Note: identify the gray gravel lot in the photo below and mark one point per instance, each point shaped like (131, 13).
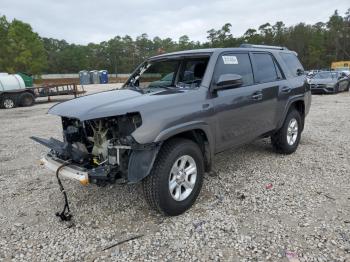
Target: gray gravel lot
(305, 216)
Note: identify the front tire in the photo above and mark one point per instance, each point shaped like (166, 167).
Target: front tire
(286, 139)
(176, 177)
(336, 89)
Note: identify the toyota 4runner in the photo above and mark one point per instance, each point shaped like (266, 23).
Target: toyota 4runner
(174, 113)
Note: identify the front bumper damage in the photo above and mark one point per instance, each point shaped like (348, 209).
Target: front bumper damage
(69, 171)
(139, 163)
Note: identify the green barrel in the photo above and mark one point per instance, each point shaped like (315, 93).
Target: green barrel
(28, 80)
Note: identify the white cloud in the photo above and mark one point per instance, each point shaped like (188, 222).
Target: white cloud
(95, 21)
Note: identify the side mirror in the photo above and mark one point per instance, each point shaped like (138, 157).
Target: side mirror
(300, 71)
(228, 81)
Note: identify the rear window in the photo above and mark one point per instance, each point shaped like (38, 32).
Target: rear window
(292, 62)
(235, 63)
(265, 68)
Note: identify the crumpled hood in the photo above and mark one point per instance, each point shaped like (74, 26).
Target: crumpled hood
(106, 104)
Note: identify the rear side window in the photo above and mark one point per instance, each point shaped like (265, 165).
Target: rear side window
(235, 63)
(292, 63)
(265, 68)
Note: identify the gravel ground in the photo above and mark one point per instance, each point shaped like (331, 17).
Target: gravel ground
(259, 206)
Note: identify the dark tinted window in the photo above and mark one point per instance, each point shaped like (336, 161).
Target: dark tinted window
(292, 63)
(235, 64)
(265, 68)
(192, 72)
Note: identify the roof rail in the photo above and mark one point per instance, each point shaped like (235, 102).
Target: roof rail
(263, 46)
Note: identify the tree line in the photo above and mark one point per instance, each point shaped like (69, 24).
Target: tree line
(23, 50)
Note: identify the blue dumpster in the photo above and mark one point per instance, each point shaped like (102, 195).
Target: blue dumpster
(103, 76)
(94, 77)
(84, 77)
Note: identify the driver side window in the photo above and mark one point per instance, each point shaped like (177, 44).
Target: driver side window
(192, 72)
(235, 63)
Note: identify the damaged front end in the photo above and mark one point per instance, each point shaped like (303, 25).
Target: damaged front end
(101, 150)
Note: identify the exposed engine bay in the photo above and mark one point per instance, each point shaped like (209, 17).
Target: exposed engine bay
(104, 148)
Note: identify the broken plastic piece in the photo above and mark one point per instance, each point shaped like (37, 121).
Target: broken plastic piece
(269, 186)
(292, 256)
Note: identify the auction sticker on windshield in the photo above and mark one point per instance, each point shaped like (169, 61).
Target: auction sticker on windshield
(230, 60)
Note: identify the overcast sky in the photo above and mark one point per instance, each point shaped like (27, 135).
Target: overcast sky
(95, 21)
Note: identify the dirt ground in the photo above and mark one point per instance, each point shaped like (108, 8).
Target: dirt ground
(304, 214)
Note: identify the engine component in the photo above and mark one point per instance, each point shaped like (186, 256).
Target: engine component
(100, 140)
(114, 153)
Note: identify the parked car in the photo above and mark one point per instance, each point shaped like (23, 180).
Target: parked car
(329, 82)
(166, 135)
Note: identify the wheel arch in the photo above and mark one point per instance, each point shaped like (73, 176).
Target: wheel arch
(198, 132)
(141, 161)
(298, 104)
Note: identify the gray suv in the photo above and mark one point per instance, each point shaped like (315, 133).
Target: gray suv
(174, 113)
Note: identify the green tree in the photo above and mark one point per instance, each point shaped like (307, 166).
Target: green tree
(3, 42)
(25, 50)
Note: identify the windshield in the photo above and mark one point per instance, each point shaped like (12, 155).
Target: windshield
(179, 73)
(326, 75)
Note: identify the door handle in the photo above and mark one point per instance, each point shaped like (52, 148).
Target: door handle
(257, 96)
(286, 89)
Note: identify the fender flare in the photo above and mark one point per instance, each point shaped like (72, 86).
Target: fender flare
(189, 126)
(141, 161)
(287, 107)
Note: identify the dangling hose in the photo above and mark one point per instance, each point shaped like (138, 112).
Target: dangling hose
(65, 214)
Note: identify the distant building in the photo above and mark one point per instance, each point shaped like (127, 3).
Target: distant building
(341, 66)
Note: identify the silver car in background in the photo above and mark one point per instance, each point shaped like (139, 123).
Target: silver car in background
(329, 82)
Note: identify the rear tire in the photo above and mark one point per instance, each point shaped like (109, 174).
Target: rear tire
(286, 139)
(8, 101)
(171, 188)
(26, 99)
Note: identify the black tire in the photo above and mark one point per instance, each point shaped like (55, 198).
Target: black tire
(336, 89)
(26, 99)
(156, 185)
(280, 139)
(8, 101)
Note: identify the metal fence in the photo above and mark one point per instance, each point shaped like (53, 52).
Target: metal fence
(58, 76)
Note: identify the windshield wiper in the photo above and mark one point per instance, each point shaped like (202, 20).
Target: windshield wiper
(165, 87)
(135, 88)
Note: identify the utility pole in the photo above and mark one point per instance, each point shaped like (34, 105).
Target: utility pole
(115, 67)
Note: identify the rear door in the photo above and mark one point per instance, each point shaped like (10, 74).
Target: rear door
(239, 111)
(269, 80)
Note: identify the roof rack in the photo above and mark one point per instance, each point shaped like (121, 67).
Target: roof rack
(263, 46)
